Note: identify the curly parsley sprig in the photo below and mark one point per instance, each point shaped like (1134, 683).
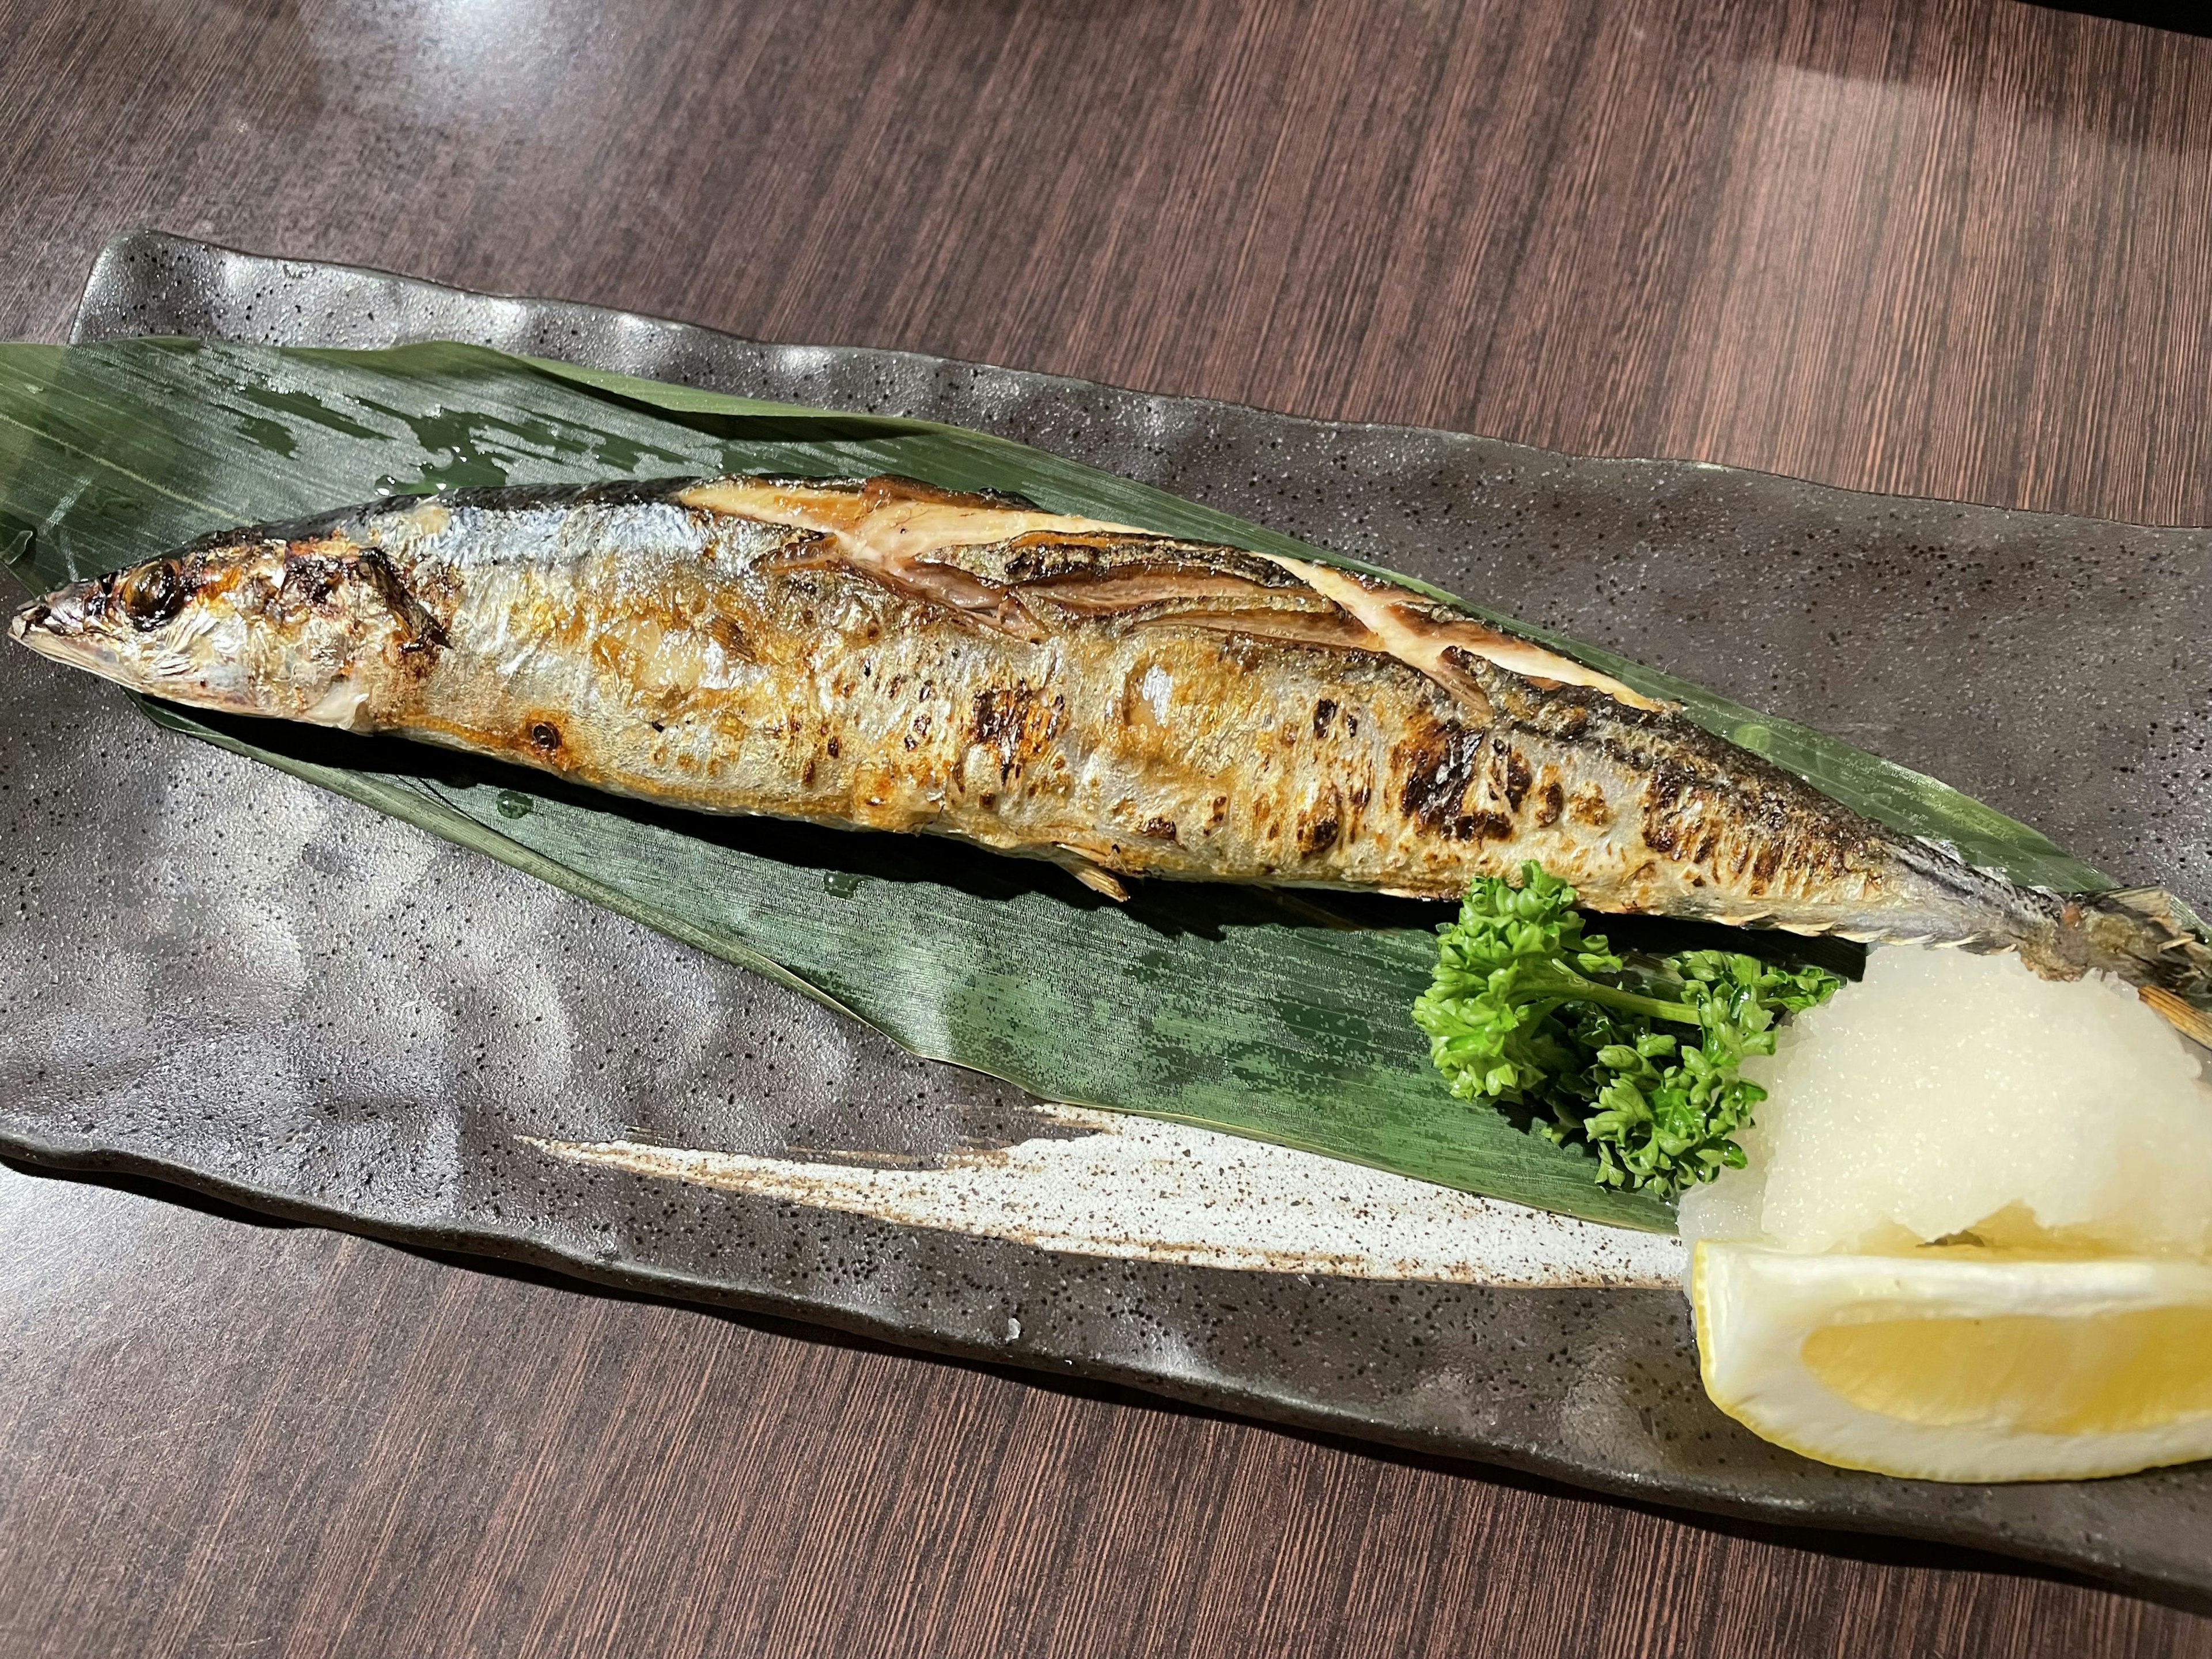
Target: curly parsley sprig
(1527, 1012)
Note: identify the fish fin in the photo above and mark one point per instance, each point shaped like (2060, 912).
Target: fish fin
(1097, 879)
(2185, 1016)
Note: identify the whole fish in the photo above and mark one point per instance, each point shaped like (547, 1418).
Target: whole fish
(885, 654)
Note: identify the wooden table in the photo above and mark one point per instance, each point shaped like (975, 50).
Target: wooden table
(1961, 247)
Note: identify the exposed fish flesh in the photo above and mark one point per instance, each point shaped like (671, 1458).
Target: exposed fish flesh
(885, 654)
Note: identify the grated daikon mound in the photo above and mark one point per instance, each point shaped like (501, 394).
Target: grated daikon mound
(1950, 1094)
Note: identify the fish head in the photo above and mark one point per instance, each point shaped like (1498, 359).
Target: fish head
(294, 630)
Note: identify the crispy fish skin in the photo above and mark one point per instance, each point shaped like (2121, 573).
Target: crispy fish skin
(881, 654)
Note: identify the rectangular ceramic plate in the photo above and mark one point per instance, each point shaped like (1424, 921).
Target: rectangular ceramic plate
(482, 1063)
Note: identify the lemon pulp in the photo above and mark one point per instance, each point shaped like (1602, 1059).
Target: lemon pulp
(2102, 1374)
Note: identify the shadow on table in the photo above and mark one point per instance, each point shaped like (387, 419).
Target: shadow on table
(2168, 15)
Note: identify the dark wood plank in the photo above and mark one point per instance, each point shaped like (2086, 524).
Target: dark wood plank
(1959, 248)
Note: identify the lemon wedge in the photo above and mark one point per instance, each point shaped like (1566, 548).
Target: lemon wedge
(1960, 1364)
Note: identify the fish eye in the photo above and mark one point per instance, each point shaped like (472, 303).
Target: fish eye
(152, 593)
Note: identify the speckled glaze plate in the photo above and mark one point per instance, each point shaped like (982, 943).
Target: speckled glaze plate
(223, 977)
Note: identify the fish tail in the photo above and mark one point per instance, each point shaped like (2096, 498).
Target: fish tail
(2153, 941)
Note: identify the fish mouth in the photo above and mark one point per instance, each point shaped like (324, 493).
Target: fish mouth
(59, 628)
(34, 625)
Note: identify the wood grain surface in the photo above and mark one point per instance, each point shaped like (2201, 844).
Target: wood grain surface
(1961, 247)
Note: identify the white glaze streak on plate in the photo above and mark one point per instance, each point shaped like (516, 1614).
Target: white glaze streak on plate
(1167, 1191)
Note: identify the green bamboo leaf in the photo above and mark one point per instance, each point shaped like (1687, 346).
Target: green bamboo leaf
(1276, 1015)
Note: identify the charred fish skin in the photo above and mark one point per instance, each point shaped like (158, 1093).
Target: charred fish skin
(884, 655)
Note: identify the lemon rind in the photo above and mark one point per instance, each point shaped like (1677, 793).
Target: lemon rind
(1734, 1360)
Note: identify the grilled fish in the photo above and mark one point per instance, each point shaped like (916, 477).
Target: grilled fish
(885, 654)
